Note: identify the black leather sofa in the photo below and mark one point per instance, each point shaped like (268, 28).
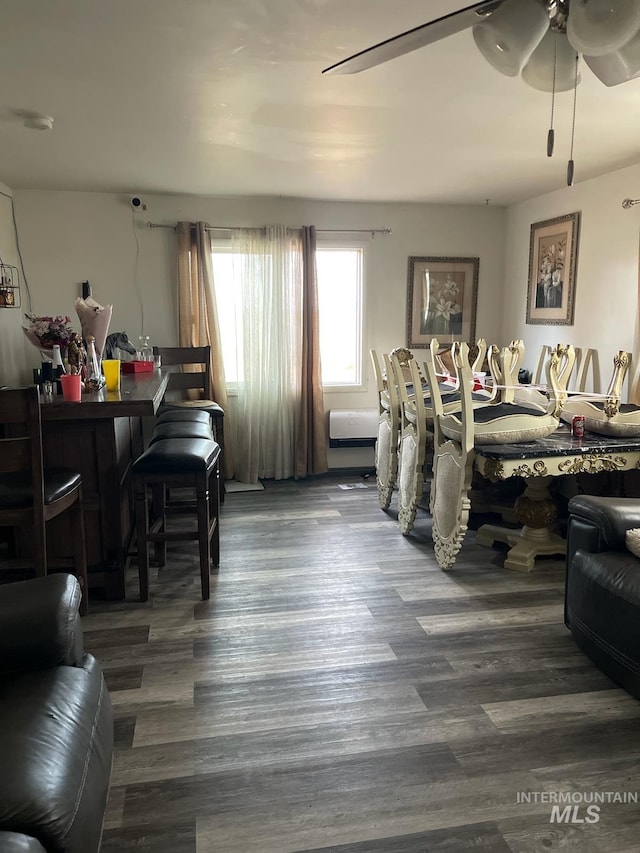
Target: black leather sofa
(602, 592)
(56, 722)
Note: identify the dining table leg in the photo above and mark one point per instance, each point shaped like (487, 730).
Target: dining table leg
(536, 511)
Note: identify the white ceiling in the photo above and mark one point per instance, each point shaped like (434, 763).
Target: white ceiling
(226, 97)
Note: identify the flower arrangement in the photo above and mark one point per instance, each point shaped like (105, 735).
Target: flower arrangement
(442, 301)
(44, 332)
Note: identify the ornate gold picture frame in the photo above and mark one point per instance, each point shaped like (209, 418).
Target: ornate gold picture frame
(442, 300)
(553, 258)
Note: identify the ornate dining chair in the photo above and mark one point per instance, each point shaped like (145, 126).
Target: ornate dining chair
(386, 449)
(416, 423)
(607, 415)
(388, 382)
(456, 434)
(30, 494)
(415, 434)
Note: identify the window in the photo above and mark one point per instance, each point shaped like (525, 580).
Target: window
(226, 304)
(340, 307)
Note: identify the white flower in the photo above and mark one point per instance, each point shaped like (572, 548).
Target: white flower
(445, 308)
(449, 288)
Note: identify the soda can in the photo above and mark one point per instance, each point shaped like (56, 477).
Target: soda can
(577, 426)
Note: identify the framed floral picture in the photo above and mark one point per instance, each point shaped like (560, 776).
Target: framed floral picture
(553, 257)
(442, 298)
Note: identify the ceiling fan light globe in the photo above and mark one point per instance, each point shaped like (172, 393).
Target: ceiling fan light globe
(618, 66)
(598, 27)
(538, 72)
(508, 37)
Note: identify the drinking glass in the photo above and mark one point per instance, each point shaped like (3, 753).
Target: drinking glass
(111, 371)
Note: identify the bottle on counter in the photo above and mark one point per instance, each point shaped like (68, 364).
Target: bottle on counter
(58, 366)
(146, 351)
(95, 380)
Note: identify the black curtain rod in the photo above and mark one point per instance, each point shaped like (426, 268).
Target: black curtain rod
(318, 230)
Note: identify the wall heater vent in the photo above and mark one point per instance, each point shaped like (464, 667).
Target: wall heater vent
(353, 428)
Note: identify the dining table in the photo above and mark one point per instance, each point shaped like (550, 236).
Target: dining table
(101, 436)
(538, 463)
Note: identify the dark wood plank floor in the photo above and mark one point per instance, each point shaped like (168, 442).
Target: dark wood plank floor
(340, 692)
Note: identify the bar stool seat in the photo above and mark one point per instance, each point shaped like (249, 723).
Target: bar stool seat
(208, 408)
(188, 429)
(183, 416)
(16, 488)
(178, 462)
(213, 409)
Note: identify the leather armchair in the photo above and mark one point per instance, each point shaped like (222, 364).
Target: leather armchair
(56, 722)
(602, 592)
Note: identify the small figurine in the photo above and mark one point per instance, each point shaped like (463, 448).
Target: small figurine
(76, 355)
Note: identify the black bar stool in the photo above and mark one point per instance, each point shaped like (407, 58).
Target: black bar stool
(178, 463)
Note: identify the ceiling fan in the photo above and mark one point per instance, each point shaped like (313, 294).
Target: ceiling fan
(539, 39)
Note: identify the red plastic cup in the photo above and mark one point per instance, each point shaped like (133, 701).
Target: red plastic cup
(71, 387)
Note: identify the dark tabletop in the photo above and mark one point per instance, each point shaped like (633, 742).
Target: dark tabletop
(140, 394)
(560, 443)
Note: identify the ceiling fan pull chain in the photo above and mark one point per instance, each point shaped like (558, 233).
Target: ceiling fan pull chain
(570, 164)
(551, 136)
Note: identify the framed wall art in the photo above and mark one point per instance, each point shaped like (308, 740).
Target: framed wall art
(553, 258)
(442, 299)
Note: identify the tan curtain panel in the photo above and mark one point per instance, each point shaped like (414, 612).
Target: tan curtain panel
(311, 441)
(197, 315)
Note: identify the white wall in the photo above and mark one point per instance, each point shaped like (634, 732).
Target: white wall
(67, 237)
(606, 297)
(14, 360)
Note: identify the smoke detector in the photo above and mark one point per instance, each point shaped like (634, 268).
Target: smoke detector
(37, 121)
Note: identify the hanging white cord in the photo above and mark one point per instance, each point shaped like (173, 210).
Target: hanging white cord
(15, 231)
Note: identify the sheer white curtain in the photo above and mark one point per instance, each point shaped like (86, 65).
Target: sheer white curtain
(268, 271)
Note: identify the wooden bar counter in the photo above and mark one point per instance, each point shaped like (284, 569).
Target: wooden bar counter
(101, 436)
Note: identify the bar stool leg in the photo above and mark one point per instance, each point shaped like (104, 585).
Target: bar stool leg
(159, 514)
(142, 531)
(214, 511)
(218, 432)
(202, 502)
(80, 555)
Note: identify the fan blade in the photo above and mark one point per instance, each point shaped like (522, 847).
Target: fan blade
(420, 36)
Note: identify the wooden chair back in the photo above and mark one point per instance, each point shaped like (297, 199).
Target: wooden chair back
(31, 495)
(21, 453)
(403, 357)
(587, 362)
(504, 364)
(192, 370)
(377, 371)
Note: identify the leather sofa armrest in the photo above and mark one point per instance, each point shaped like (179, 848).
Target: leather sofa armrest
(600, 524)
(40, 624)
